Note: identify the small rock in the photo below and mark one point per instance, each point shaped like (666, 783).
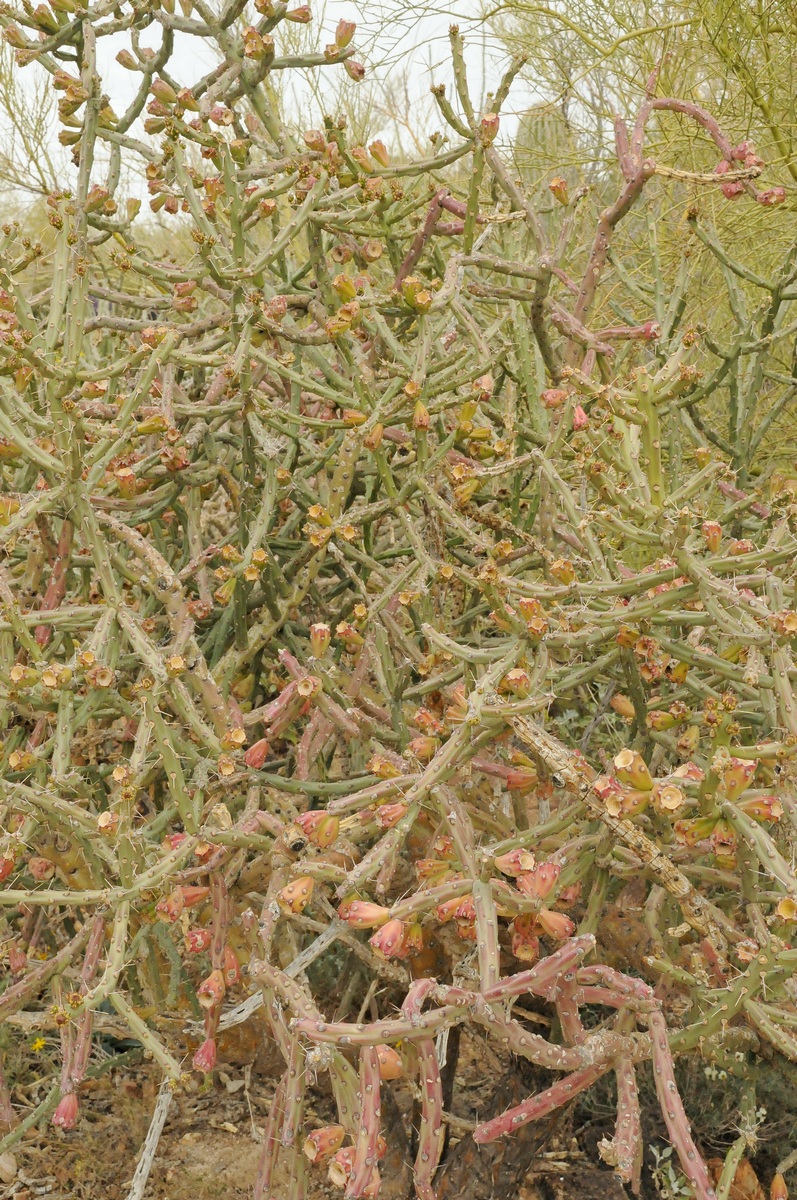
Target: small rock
(8, 1167)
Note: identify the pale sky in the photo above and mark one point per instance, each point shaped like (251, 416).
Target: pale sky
(394, 38)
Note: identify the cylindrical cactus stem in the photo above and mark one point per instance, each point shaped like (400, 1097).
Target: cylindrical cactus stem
(293, 1102)
(18, 994)
(417, 992)
(540, 1105)
(289, 992)
(626, 985)
(673, 1111)
(543, 976)
(342, 1034)
(345, 1087)
(270, 1145)
(566, 998)
(486, 934)
(364, 1165)
(525, 1043)
(627, 1142)
(221, 917)
(431, 1133)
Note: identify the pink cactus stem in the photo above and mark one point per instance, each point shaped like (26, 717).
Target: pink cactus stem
(538, 1106)
(364, 1165)
(672, 1109)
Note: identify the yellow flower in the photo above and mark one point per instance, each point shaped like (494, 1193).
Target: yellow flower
(38, 1044)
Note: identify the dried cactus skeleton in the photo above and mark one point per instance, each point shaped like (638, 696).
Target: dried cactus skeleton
(307, 521)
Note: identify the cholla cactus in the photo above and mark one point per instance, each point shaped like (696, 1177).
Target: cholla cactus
(329, 527)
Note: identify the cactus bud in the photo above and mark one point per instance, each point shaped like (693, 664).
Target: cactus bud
(553, 397)
(389, 940)
(762, 808)
(562, 569)
(555, 924)
(211, 990)
(355, 70)
(391, 1065)
(295, 897)
(340, 1166)
(514, 862)
(737, 775)
(256, 755)
(632, 769)
(320, 635)
(771, 197)
(558, 189)
(488, 131)
(197, 940)
(323, 1143)
(319, 826)
(778, 1189)
(580, 418)
(540, 881)
(205, 1057)
(65, 1115)
(344, 33)
(41, 868)
(364, 914)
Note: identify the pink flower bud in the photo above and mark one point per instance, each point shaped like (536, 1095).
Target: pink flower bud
(344, 33)
(6, 867)
(193, 894)
(541, 881)
(364, 914)
(489, 128)
(521, 780)
(555, 924)
(319, 826)
(171, 906)
(205, 1057)
(580, 418)
(355, 70)
(514, 862)
(256, 755)
(388, 815)
(323, 1143)
(211, 990)
(197, 940)
(389, 940)
(231, 968)
(391, 1065)
(553, 397)
(65, 1115)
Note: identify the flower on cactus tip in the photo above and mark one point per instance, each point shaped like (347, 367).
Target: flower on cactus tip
(736, 776)
(323, 1143)
(205, 1057)
(525, 943)
(787, 909)
(65, 1115)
